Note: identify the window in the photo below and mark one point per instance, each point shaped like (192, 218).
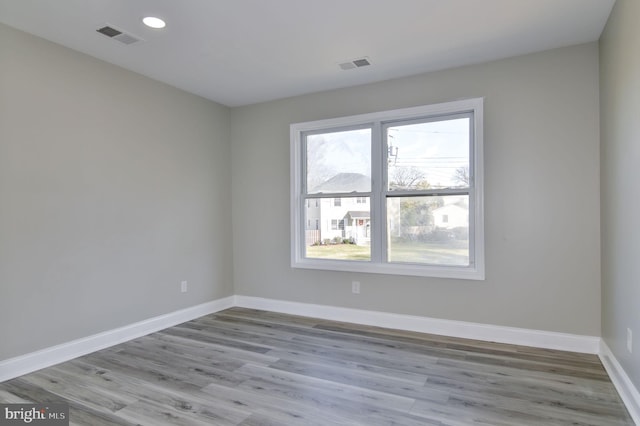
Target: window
(404, 191)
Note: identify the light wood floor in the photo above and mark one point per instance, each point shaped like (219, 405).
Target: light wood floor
(249, 367)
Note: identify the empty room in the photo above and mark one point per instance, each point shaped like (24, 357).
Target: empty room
(288, 212)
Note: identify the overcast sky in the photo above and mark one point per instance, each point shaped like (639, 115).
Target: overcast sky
(436, 148)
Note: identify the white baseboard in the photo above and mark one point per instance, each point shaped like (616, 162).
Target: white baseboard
(30, 362)
(467, 330)
(628, 392)
(23, 364)
(14, 367)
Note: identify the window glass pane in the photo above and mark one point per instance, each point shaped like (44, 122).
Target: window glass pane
(339, 162)
(428, 155)
(428, 230)
(344, 230)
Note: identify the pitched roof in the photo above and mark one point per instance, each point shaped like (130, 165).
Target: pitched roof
(345, 182)
(458, 205)
(359, 214)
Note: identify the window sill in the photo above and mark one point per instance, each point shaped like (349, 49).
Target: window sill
(464, 273)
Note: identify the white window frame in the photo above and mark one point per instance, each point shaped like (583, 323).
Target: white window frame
(378, 263)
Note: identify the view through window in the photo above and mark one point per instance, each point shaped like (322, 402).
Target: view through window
(394, 192)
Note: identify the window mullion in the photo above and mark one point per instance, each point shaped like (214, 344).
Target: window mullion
(337, 195)
(378, 216)
(427, 192)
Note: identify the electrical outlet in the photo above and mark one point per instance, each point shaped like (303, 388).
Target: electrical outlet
(355, 287)
(183, 287)
(629, 340)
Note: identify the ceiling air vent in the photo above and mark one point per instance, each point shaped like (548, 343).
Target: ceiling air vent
(355, 63)
(119, 35)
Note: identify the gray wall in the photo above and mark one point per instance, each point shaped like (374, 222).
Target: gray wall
(542, 196)
(620, 153)
(113, 188)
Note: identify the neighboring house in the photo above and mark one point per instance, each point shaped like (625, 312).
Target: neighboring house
(344, 217)
(451, 216)
(358, 224)
(348, 217)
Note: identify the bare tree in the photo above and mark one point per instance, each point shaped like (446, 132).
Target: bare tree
(402, 177)
(321, 173)
(461, 175)
(318, 171)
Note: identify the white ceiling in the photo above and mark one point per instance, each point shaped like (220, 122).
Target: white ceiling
(239, 52)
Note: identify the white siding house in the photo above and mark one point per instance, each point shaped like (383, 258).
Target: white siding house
(339, 218)
(451, 216)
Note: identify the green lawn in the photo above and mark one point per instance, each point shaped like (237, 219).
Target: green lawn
(435, 253)
(340, 251)
(446, 253)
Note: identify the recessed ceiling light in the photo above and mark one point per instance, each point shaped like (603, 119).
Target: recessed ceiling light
(153, 22)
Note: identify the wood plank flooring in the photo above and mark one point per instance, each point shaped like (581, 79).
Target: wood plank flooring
(250, 367)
